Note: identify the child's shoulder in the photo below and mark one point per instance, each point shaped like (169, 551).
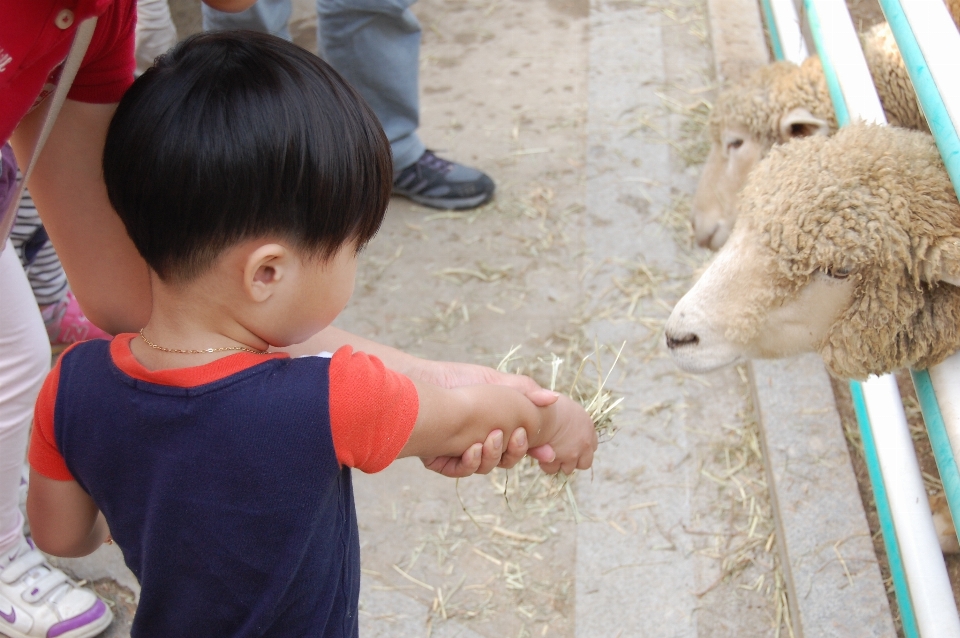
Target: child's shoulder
(82, 353)
(89, 346)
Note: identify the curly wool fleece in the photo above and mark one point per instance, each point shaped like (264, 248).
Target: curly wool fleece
(760, 101)
(875, 202)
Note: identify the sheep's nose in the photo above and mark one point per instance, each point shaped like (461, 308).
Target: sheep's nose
(680, 340)
(704, 233)
(705, 237)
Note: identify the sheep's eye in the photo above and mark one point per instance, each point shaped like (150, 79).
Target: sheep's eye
(733, 145)
(839, 273)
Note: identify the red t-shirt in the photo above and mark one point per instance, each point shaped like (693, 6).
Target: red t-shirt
(35, 37)
(372, 409)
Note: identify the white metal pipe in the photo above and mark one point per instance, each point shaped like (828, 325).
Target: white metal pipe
(929, 43)
(793, 46)
(930, 591)
(940, 43)
(946, 383)
(840, 43)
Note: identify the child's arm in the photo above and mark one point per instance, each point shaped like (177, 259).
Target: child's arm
(449, 421)
(64, 520)
(446, 374)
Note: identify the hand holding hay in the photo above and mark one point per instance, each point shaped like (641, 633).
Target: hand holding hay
(599, 403)
(601, 407)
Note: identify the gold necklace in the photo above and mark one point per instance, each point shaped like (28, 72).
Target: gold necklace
(207, 351)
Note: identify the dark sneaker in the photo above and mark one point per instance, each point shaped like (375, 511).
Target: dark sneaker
(435, 182)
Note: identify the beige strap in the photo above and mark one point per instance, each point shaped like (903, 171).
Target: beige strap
(70, 67)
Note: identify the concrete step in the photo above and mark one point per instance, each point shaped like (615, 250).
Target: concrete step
(697, 556)
(832, 576)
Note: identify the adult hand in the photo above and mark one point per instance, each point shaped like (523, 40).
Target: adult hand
(452, 375)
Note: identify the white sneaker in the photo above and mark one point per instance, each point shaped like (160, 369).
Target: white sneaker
(40, 601)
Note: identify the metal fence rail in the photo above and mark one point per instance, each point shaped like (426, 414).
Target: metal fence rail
(930, 45)
(916, 563)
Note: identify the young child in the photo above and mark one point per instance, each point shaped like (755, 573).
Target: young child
(248, 175)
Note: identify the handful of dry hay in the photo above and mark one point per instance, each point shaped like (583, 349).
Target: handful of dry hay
(599, 402)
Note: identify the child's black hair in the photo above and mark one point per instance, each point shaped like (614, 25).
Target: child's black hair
(237, 135)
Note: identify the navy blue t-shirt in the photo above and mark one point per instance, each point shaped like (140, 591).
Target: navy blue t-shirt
(226, 496)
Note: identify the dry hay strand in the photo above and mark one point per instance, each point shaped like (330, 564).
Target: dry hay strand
(483, 272)
(742, 538)
(510, 547)
(526, 490)
(376, 267)
(600, 404)
(691, 142)
(625, 299)
(531, 490)
(641, 282)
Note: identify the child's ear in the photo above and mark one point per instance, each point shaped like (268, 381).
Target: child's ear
(265, 268)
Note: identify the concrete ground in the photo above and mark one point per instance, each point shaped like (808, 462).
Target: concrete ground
(590, 118)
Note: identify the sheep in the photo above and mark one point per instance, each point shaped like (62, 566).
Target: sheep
(847, 246)
(780, 102)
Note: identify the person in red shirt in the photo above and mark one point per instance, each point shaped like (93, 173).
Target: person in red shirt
(37, 600)
(108, 277)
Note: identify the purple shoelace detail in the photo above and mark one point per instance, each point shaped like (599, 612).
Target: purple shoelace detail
(76, 622)
(431, 161)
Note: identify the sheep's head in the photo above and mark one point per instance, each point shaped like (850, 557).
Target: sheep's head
(775, 104)
(848, 246)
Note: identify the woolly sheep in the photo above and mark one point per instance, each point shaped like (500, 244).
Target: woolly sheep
(848, 246)
(780, 102)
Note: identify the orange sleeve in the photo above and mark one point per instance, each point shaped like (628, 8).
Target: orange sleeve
(44, 455)
(372, 410)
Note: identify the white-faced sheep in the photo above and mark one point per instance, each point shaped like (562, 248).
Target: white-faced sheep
(847, 246)
(780, 102)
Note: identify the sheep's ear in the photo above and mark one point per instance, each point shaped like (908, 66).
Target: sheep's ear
(945, 266)
(801, 123)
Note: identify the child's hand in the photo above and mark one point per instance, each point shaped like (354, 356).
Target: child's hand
(574, 438)
(482, 458)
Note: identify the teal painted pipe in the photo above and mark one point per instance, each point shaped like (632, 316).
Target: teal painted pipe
(931, 101)
(939, 441)
(907, 616)
(891, 544)
(836, 93)
(772, 29)
(945, 134)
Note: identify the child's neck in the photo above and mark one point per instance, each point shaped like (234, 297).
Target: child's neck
(191, 317)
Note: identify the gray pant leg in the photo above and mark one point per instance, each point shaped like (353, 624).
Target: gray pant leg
(375, 45)
(266, 16)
